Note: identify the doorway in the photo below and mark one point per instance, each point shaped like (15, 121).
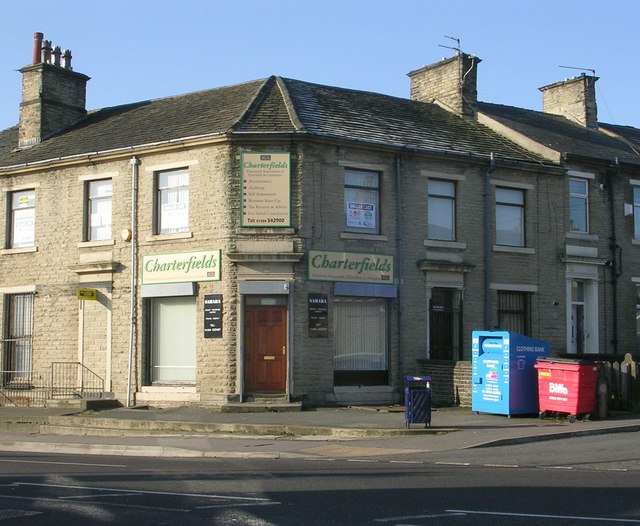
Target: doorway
(265, 345)
(444, 324)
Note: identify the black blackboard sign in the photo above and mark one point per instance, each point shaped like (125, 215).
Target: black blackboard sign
(213, 315)
(318, 316)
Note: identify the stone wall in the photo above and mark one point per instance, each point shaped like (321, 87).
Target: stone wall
(451, 382)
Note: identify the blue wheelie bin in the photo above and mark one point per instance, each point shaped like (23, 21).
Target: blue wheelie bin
(417, 400)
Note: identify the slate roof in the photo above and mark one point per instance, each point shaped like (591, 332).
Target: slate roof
(147, 122)
(627, 133)
(562, 135)
(273, 105)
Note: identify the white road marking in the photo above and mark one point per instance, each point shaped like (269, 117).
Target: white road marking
(64, 463)
(100, 496)
(144, 492)
(411, 517)
(113, 504)
(543, 516)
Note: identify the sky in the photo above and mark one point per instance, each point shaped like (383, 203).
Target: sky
(137, 50)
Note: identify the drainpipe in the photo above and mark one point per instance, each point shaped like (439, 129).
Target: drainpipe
(488, 269)
(615, 260)
(399, 235)
(135, 162)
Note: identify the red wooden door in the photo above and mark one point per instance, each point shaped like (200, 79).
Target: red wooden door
(265, 349)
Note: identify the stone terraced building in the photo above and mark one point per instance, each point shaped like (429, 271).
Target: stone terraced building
(280, 240)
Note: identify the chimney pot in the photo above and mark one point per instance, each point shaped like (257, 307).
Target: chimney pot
(46, 52)
(66, 59)
(57, 53)
(37, 48)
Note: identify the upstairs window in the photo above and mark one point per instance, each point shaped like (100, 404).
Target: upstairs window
(362, 201)
(99, 206)
(579, 205)
(510, 217)
(173, 202)
(442, 210)
(23, 219)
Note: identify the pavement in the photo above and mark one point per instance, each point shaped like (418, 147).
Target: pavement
(333, 432)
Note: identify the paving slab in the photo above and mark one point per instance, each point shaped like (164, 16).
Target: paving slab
(338, 432)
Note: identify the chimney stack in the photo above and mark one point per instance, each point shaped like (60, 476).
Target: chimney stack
(451, 82)
(53, 95)
(574, 99)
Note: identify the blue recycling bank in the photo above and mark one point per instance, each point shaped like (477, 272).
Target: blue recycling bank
(504, 380)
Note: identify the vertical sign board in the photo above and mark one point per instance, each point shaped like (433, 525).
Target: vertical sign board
(318, 316)
(266, 190)
(213, 315)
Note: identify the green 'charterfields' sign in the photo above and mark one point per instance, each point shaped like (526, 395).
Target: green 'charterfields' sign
(182, 267)
(325, 265)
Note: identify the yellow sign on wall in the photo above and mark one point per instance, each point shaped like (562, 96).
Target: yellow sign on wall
(87, 294)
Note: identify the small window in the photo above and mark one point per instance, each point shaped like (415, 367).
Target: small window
(442, 210)
(510, 217)
(23, 219)
(514, 312)
(636, 212)
(579, 205)
(362, 201)
(173, 202)
(99, 195)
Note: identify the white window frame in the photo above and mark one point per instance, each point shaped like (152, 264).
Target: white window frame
(172, 201)
(22, 218)
(574, 198)
(99, 209)
(505, 207)
(362, 201)
(437, 202)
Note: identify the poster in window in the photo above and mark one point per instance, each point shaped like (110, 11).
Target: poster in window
(361, 215)
(318, 316)
(213, 316)
(24, 227)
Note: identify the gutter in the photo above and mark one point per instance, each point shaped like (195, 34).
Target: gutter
(399, 240)
(127, 149)
(488, 259)
(135, 163)
(616, 262)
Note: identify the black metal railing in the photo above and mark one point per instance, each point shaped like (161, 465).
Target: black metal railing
(62, 381)
(74, 380)
(24, 388)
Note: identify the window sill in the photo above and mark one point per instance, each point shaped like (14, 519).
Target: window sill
(266, 230)
(444, 244)
(25, 250)
(514, 250)
(584, 237)
(366, 237)
(103, 243)
(169, 237)
(635, 241)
